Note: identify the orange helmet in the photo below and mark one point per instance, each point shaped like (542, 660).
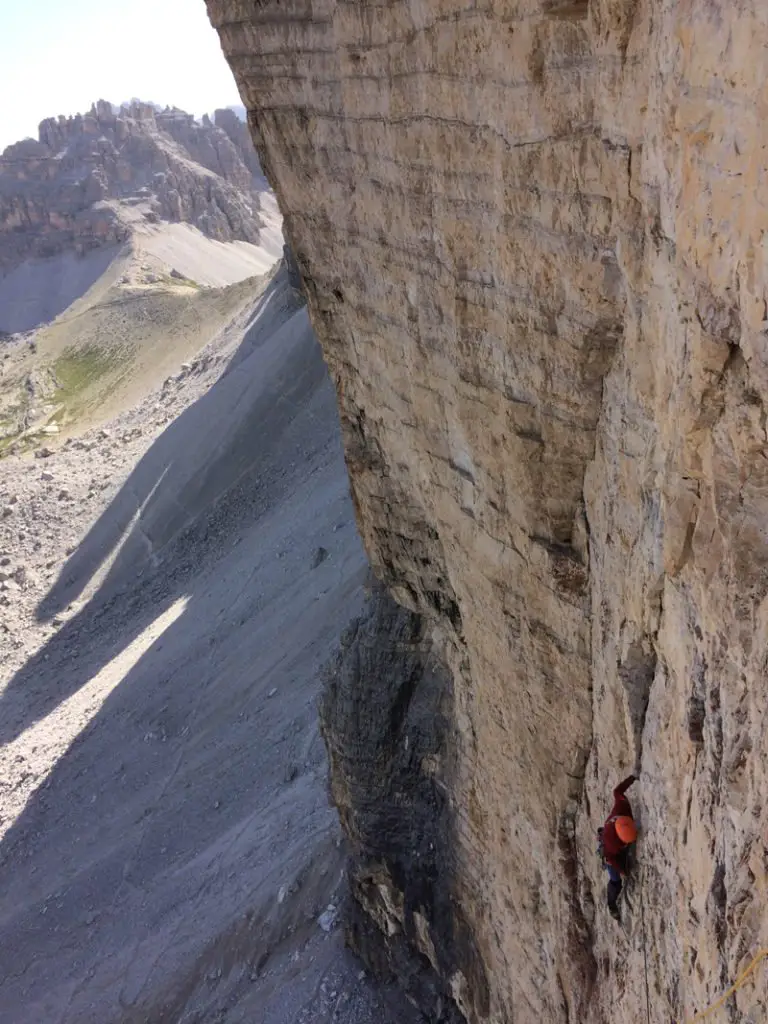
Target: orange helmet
(626, 829)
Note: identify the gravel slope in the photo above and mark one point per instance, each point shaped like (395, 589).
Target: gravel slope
(171, 586)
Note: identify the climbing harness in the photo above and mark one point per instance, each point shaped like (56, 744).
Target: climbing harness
(760, 955)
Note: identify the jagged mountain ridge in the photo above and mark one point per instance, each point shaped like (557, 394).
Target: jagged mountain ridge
(88, 179)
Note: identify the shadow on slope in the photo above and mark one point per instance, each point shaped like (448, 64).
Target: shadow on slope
(37, 290)
(166, 819)
(236, 429)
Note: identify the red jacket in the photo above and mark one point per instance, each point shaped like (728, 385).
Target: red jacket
(612, 845)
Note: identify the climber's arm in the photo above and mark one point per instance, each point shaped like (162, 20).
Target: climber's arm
(622, 787)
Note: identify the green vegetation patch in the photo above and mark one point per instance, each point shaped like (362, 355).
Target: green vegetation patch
(12, 417)
(17, 444)
(84, 376)
(179, 279)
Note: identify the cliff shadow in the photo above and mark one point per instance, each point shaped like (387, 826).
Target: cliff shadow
(39, 289)
(183, 791)
(388, 721)
(153, 538)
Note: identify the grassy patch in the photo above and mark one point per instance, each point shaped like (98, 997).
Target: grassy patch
(84, 376)
(187, 282)
(21, 443)
(12, 419)
(9, 421)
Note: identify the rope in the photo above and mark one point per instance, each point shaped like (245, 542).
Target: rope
(645, 949)
(760, 955)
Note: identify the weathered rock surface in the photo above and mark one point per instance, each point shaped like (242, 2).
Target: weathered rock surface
(88, 177)
(387, 719)
(240, 136)
(532, 238)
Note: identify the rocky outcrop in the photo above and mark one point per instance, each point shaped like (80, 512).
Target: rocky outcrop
(291, 267)
(531, 236)
(90, 177)
(388, 720)
(239, 134)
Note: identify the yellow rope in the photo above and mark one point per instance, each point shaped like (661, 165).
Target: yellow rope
(645, 949)
(761, 955)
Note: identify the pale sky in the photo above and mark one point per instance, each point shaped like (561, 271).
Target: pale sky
(59, 56)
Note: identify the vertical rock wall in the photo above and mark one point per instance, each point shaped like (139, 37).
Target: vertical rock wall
(532, 234)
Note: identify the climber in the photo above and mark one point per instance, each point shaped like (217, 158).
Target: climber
(616, 836)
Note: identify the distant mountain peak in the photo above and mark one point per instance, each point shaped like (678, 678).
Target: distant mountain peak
(91, 179)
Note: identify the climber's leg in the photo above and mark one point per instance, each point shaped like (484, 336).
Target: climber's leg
(613, 890)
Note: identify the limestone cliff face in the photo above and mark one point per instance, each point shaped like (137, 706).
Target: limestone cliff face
(532, 234)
